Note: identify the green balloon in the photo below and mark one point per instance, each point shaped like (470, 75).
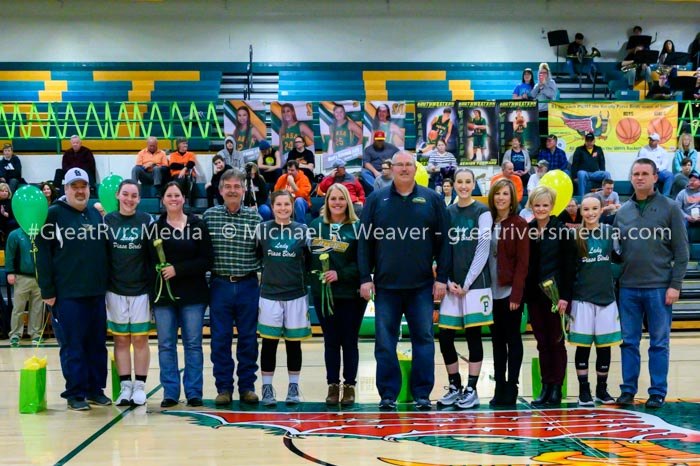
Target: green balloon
(30, 208)
(108, 193)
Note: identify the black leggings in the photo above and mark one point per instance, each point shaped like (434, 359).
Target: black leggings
(268, 355)
(447, 344)
(602, 358)
(506, 340)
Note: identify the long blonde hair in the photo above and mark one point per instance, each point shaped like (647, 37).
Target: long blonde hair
(350, 216)
(691, 146)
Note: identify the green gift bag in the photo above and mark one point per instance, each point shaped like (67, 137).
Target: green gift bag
(116, 383)
(405, 363)
(537, 380)
(32, 390)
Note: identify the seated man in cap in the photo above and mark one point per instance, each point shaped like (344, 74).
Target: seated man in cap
(508, 171)
(588, 164)
(689, 201)
(373, 157)
(299, 186)
(269, 164)
(541, 168)
(554, 156)
(653, 151)
(340, 175)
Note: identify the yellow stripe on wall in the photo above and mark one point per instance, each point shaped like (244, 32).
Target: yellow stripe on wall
(404, 75)
(375, 85)
(377, 95)
(25, 75)
(145, 75)
(56, 85)
(463, 95)
(50, 96)
(459, 84)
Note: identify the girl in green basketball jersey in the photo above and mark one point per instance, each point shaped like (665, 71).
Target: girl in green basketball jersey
(291, 128)
(245, 134)
(344, 132)
(594, 315)
(382, 122)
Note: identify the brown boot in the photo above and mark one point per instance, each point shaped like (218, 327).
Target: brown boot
(333, 394)
(348, 395)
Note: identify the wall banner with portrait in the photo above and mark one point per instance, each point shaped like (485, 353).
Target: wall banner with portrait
(388, 116)
(340, 123)
(245, 121)
(289, 120)
(519, 118)
(479, 128)
(435, 121)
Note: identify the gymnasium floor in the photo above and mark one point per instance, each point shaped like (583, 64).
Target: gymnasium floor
(314, 434)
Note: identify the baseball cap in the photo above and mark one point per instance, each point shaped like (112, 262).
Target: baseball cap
(694, 174)
(654, 136)
(543, 163)
(339, 163)
(264, 145)
(590, 136)
(75, 174)
(379, 136)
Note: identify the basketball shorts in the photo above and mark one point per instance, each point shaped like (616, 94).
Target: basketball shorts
(128, 315)
(591, 324)
(473, 310)
(284, 319)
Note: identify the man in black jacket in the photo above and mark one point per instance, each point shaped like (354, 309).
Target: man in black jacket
(588, 164)
(11, 168)
(72, 268)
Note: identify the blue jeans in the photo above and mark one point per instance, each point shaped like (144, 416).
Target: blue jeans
(234, 302)
(417, 306)
(367, 176)
(587, 67)
(665, 182)
(634, 304)
(80, 325)
(300, 208)
(189, 317)
(584, 176)
(265, 212)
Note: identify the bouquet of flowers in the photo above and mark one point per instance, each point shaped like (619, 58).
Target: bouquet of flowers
(326, 292)
(549, 288)
(158, 244)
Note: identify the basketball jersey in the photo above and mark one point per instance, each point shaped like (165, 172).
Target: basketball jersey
(464, 221)
(594, 275)
(288, 140)
(479, 121)
(385, 126)
(441, 128)
(243, 140)
(342, 137)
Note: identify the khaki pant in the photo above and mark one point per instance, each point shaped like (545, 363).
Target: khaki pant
(26, 290)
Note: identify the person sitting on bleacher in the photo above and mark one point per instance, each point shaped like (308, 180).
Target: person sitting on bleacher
(686, 150)
(662, 159)
(638, 72)
(78, 156)
(611, 201)
(231, 156)
(269, 163)
(304, 156)
(299, 186)
(588, 164)
(546, 87)
(540, 170)
(11, 168)
(182, 169)
(553, 155)
(680, 181)
(520, 158)
(387, 176)
(441, 164)
(689, 200)
(151, 166)
(373, 157)
(508, 173)
(341, 176)
(256, 192)
(522, 90)
(661, 90)
(212, 188)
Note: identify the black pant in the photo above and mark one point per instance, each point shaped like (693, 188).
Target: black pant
(506, 340)
(341, 331)
(213, 193)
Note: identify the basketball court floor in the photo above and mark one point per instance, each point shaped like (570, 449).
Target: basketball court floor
(312, 433)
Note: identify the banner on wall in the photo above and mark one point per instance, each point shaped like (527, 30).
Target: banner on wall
(340, 123)
(388, 116)
(352, 156)
(479, 126)
(617, 126)
(435, 121)
(245, 121)
(519, 118)
(289, 120)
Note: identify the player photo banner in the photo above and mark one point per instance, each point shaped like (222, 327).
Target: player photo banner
(245, 121)
(617, 126)
(435, 121)
(388, 116)
(479, 125)
(519, 118)
(340, 123)
(352, 156)
(289, 120)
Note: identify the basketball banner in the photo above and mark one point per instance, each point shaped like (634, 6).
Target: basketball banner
(519, 118)
(435, 121)
(289, 120)
(340, 125)
(387, 116)
(617, 126)
(479, 130)
(245, 121)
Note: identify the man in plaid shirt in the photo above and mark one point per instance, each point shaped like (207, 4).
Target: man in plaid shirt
(555, 156)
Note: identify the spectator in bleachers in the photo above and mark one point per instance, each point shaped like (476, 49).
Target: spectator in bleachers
(387, 176)
(212, 188)
(662, 159)
(554, 155)
(441, 164)
(680, 181)
(636, 31)
(686, 150)
(299, 186)
(541, 168)
(588, 164)
(11, 168)
(382, 122)
(448, 192)
(571, 217)
(508, 173)
(151, 166)
(232, 157)
(667, 49)
(660, 90)
(183, 169)
(522, 165)
(50, 192)
(546, 87)
(256, 192)
(245, 134)
(343, 132)
(7, 217)
(577, 50)
(689, 200)
(306, 158)
(440, 128)
(694, 51)
(374, 155)
(610, 200)
(339, 175)
(636, 72)
(78, 156)
(522, 90)
(269, 164)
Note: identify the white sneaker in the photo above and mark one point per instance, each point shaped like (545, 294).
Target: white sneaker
(453, 394)
(469, 399)
(138, 394)
(268, 395)
(125, 393)
(293, 395)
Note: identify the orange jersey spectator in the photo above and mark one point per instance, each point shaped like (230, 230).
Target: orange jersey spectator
(182, 159)
(295, 182)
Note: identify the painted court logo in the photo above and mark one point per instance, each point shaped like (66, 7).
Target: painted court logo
(553, 436)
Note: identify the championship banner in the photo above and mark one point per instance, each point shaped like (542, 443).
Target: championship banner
(435, 121)
(340, 123)
(479, 125)
(519, 118)
(352, 156)
(387, 116)
(289, 120)
(617, 126)
(245, 121)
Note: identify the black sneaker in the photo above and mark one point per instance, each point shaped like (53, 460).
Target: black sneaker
(602, 395)
(195, 402)
(78, 404)
(655, 402)
(168, 403)
(423, 404)
(99, 400)
(584, 395)
(387, 405)
(625, 399)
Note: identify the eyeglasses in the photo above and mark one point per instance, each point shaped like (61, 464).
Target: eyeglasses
(404, 165)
